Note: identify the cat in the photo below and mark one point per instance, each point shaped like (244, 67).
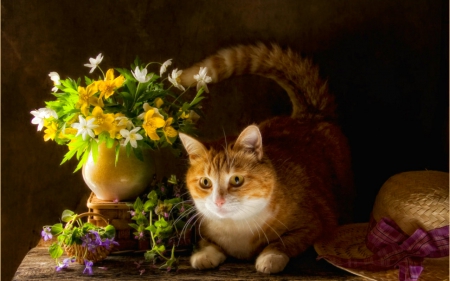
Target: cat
(280, 185)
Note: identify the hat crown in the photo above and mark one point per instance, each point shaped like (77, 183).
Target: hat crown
(414, 200)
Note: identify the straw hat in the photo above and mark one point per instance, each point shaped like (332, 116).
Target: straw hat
(412, 201)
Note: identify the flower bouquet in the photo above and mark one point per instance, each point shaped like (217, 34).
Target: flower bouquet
(83, 242)
(131, 108)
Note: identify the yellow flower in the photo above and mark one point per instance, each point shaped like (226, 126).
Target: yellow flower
(169, 131)
(50, 132)
(67, 131)
(120, 123)
(104, 121)
(152, 122)
(110, 83)
(86, 97)
(159, 102)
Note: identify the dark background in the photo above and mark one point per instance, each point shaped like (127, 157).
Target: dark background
(386, 62)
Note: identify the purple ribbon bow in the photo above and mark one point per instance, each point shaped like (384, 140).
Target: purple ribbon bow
(393, 248)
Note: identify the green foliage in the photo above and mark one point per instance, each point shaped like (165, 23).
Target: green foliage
(159, 217)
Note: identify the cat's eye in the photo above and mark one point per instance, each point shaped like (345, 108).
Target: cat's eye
(205, 183)
(236, 180)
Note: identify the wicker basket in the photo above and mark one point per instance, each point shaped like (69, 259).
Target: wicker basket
(119, 216)
(82, 253)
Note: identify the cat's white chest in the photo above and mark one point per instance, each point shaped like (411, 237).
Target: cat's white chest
(239, 239)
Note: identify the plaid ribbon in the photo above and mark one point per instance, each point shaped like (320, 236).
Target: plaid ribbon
(393, 248)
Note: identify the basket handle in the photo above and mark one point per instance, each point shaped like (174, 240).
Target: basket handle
(105, 219)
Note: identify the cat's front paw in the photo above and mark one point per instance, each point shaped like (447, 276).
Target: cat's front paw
(271, 262)
(208, 257)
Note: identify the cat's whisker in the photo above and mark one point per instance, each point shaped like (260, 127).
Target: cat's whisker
(251, 230)
(200, 228)
(185, 227)
(182, 202)
(272, 216)
(274, 231)
(262, 230)
(226, 148)
(184, 215)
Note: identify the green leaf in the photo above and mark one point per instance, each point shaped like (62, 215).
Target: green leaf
(68, 155)
(161, 223)
(197, 98)
(149, 205)
(117, 154)
(172, 201)
(55, 250)
(151, 228)
(138, 205)
(153, 196)
(128, 149)
(133, 225)
(57, 228)
(83, 160)
(161, 248)
(67, 215)
(87, 80)
(110, 231)
(172, 179)
(94, 150)
(138, 153)
(150, 255)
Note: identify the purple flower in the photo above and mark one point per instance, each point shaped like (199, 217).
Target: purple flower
(64, 264)
(46, 233)
(89, 243)
(88, 268)
(132, 213)
(98, 239)
(108, 243)
(142, 271)
(138, 264)
(143, 212)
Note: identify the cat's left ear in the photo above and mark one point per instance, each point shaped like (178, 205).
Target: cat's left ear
(194, 148)
(250, 139)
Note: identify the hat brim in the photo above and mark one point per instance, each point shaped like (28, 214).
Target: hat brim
(349, 242)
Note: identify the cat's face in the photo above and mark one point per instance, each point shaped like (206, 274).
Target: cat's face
(234, 182)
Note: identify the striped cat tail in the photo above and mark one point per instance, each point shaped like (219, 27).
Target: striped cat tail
(298, 76)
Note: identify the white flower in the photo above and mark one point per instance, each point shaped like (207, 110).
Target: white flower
(54, 76)
(141, 75)
(131, 136)
(202, 79)
(147, 107)
(41, 114)
(85, 127)
(175, 78)
(164, 66)
(94, 62)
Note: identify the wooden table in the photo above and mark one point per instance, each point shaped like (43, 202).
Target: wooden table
(38, 265)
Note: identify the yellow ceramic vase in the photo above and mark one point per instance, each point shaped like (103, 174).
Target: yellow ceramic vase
(124, 181)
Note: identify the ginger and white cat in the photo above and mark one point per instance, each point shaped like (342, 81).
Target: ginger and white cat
(282, 184)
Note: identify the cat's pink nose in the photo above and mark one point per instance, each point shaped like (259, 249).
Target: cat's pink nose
(219, 202)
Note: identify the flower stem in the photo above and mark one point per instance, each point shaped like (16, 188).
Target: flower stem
(104, 76)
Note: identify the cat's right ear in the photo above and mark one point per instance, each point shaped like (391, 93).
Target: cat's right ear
(194, 148)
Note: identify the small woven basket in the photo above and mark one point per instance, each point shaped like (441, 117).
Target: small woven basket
(82, 253)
